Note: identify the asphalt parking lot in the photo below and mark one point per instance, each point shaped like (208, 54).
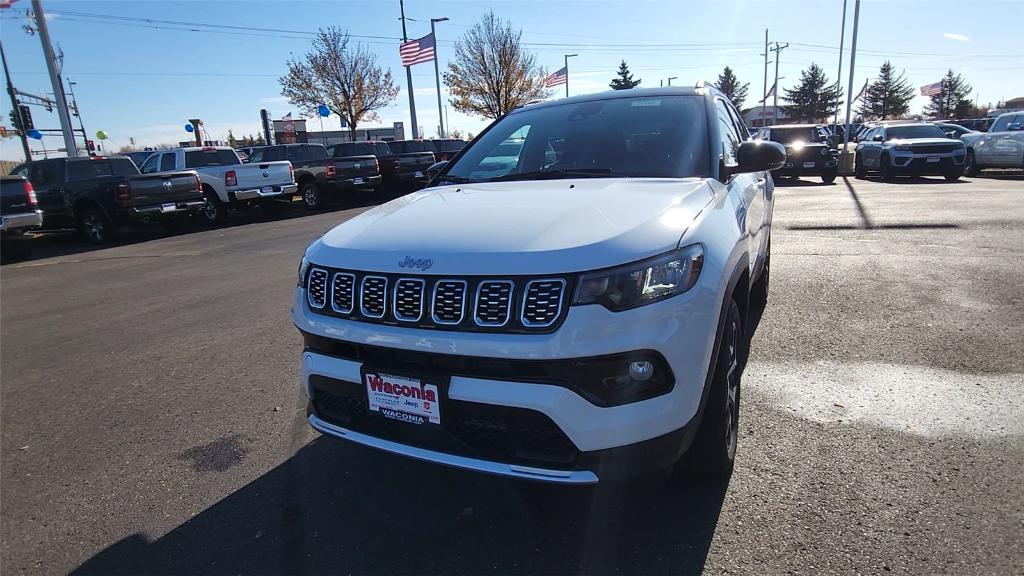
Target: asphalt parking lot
(152, 421)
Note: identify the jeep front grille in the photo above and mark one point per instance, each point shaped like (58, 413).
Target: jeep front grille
(512, 304)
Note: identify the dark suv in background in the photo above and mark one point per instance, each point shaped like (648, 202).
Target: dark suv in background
(807, 150)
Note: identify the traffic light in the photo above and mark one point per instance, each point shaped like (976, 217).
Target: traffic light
(26, 118)
(90, 145)
(15, 120)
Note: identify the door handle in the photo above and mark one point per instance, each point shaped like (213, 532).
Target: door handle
(761, 182)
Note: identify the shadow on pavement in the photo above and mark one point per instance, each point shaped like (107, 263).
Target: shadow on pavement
(799, 183)
(339, 508)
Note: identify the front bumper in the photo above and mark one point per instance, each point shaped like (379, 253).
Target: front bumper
(258, 193)
(808, 167)
(567, 438)
(21, 221)
(913, 163)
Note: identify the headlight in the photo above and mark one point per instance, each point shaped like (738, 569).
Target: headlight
(642, 282)
(303, 268)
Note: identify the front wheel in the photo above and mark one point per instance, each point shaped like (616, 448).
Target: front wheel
(952, 175)
(859, 170)
(885, 169)
(829, 176)
(95, 226)
(714, 449)
(971, 167)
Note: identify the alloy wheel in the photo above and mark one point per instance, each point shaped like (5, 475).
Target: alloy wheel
(733, 391)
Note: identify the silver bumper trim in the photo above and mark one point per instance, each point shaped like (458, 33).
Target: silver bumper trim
(581, 477)
(254, 193)
(178, 207)
(22, 220)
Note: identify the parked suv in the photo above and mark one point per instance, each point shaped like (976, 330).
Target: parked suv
(1001, 147)
(913, 148)
(580, 316)
(322, 179)
(807, 152)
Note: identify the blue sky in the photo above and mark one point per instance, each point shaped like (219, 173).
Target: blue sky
(143, 80)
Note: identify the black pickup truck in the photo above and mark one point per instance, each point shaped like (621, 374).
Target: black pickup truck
(396, 168)
(97, 195)
(414, 158)
(321, 178)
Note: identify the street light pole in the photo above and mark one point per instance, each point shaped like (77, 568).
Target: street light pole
(58, 88)
(78, 112)
(14, 105)
(567, 56)
(437, 77)
(839, 74)
(671, 78)
(853, 60)
(408, 76)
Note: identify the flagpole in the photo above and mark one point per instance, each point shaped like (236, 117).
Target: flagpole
(408, 76)
(853, 68)
(437, 77)
(839, 74)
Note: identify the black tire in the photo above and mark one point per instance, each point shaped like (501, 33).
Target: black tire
(952, 175)
(885, 169)
(311, 196)
(759, 291)
(94, 226)
(971, 167)
(829, 176)
(214, 212)
(714, 449)
(860, 171)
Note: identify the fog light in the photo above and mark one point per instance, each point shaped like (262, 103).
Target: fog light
(641, 371)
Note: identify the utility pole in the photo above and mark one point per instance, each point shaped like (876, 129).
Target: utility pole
(14, 105)
(81, 123)
(764, 91)
(567, 56)
(408, 75)
(671, 78)
(437, 77)
(853, 61)
(775, 93)
(839, 74)
(58, 88)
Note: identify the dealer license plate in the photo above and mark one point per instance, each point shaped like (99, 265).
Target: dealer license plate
(808, 164)
(168, 207)
(933, 159)
(403, 399)
(357, 180)
(267, 189)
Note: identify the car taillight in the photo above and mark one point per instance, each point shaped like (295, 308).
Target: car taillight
(332, 171)
(376, 164)
(199, 184)
(291, 171)
(230, 178)
(124, 192)
(30, 194)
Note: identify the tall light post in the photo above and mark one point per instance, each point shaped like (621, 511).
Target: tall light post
(58, 86)
(671, 78)
(408, 76)
(567, 56)
(853, 62)
(437, 75)
(839, 74)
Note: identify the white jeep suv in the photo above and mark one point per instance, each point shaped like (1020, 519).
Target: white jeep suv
(575, 313)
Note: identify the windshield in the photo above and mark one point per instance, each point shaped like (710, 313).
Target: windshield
(917, 131)
(358, 149)
(201, 158)
(792, 135)
(654, 136)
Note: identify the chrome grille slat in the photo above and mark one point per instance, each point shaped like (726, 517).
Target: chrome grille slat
(316, 288)
(448, 303)
(542, 302)
(407, 302)
(493, 303)
(343, 287)
(373, 294)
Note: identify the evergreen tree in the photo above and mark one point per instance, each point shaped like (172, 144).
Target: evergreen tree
(814, 98)
(951, 101)
(625, 80)
(888, 96)
(732, 88)
(259, 140)
(232, 141)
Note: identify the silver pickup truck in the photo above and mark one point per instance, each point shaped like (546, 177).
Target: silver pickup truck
(227, 182)
(1001, 147)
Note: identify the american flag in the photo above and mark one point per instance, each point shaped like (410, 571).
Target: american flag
(556, 79)
(417, 51)
(931, 89)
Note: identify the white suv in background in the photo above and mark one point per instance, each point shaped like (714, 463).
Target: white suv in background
(1001, 147)
(580, 314)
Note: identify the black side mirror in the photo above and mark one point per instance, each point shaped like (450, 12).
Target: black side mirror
(759, 155)
(877, 138)
(435, 169)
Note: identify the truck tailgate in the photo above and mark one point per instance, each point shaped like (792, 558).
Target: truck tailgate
(264, 174)
(356, 166)
(415, 161)
(164, 188)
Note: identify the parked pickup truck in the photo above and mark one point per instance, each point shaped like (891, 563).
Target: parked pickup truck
(19, 213)
(583, 315)
(415, 157)
(322, 179)
(1001, 147)
(227, 183)
(97, 195)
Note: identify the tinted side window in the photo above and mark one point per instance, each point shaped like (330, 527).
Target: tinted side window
(315, 152)
(256, 156)
(727, 133)
(1001, 124)
(201, 158)
(43, 174)
(89, 169)
(151, 164)
(166, 162)
(383, 149)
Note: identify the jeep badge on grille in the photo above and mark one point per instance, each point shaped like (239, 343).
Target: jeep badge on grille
(422, 264)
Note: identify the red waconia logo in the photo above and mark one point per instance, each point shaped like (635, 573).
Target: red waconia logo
(378, 384)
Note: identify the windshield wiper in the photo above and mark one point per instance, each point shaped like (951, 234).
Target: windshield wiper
(455, 179)
(559, 173)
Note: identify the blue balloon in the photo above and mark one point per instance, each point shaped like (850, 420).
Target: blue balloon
(324, 110)
(189, 128)
(36, 134)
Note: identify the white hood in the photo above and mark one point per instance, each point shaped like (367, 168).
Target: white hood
(512, 228)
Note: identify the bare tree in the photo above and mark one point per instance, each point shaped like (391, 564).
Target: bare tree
(490, 72)
(345, 79)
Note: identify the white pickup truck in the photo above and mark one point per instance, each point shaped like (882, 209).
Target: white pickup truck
(1001, 147)
(227, 183)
